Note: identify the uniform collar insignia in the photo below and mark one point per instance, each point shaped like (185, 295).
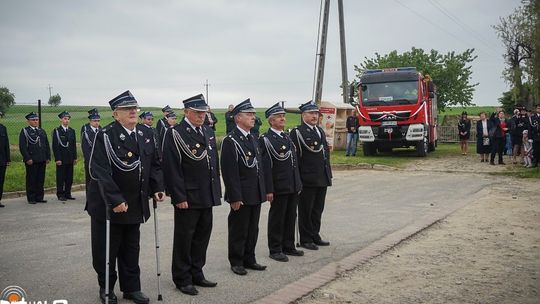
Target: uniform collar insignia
(122, 136)
(140, 133)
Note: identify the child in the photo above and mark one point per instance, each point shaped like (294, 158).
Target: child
(527, 149)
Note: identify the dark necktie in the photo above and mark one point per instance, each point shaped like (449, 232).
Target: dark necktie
(199, 131)
(133, 136)
(282, 134)
(316, 132)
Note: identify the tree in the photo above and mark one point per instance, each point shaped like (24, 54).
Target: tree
(515, 33)
(7, 99)
(55, 100)
(450, 72)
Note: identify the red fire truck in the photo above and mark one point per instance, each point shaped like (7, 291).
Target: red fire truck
(397, 108)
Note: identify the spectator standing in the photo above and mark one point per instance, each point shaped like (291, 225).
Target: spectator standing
(483, 143)
(464, 127)
(527, 150)
(498, 136)
(352, 133)
(534, 131)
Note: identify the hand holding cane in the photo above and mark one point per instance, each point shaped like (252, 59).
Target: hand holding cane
(158, 196)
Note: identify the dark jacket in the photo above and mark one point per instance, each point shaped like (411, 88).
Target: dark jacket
(229, 120)
(497, 131)
(63, 145)
(34, 145)
(111, 185)
(5, 154)
(188, 178)
(242, 169)
(534, 127)
(352, 124)
(313, 156)
(214, 120)
(87, 139)
(280, 163)
(464, 126)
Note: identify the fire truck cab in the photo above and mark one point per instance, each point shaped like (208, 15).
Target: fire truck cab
(397, 108)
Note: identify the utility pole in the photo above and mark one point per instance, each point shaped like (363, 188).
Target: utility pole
(322, 53)
(50, 94)
(344, 78)
(207, 85)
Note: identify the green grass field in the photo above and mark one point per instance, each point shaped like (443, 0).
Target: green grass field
(14, 121)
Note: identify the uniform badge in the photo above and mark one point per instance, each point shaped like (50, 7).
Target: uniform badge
(140, 133)
(122, 136)
(197, 145)
(130, 154)
(283, 147)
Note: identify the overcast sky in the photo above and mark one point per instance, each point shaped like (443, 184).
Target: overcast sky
(163, 51)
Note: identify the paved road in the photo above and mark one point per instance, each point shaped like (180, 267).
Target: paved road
(45, 248)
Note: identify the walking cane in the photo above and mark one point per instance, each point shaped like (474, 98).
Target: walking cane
(107, 251)
(297, 233)
(160, 297)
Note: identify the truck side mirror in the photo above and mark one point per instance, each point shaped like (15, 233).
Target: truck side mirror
(431, 95)
(431, 87)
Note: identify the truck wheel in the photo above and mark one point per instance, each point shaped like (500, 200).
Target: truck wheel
(369, 149)
(422, 148)
(431, 147)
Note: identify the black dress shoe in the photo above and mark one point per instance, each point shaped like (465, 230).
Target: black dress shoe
(112, 297)
(279, 256)
(310, 246)
(255, 266)
(189, 290)
(62, 199)
(239, 270)
(70, 197)
(293, 252)
(205, 283)
(32, 202)
(41, 201)
(137, 296)
(2, 205)
(322, 243)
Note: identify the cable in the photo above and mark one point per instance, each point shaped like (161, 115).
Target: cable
(460, 23)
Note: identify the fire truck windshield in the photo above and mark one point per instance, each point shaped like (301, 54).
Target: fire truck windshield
(389, 93)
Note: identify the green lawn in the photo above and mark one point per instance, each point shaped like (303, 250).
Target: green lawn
(472, 111)
(14, 121)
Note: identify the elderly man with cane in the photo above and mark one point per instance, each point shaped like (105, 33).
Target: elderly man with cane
(124, 170)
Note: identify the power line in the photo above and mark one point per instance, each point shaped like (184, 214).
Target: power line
(426, 19)
(460, 23)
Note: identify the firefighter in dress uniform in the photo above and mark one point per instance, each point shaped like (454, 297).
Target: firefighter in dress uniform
(125, 171)
(65, 155)
(88, 133)
(36, 153)
(315, 172)
(5, 157)
(282, 185)
(162, 125)
(243, 176)
(190, 163)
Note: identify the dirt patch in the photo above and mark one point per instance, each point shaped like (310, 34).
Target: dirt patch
(469, 163)
(487, 252)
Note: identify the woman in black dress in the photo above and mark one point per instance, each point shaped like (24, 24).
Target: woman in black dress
(464, 127)
(483, 144)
